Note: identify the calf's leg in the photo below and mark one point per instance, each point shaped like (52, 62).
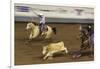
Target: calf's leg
(47, 55)
(66, 51)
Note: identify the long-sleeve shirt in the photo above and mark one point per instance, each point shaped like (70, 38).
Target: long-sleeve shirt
(42, 19)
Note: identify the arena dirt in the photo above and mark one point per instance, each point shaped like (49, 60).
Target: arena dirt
(31, 53)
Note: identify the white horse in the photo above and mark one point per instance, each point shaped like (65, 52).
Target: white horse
(35, 31)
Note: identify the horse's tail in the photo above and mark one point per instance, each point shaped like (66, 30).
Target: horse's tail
(54, 30)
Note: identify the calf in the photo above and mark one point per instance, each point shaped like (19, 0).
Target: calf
(52, 48)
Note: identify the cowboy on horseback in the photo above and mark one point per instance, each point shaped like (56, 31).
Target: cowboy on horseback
(87, 40)
(42, 25)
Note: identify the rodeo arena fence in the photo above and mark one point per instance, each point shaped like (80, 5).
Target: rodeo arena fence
(57, 14)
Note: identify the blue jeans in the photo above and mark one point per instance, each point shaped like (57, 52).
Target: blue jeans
(42, 27)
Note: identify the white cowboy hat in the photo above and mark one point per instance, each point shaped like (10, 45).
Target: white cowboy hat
(40, 13)
(89, 26)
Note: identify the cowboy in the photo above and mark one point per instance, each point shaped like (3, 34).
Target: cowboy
(42, 24)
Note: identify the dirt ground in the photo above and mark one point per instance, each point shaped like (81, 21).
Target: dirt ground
(31, 53)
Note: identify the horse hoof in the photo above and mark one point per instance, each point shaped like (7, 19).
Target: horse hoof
(76, 56)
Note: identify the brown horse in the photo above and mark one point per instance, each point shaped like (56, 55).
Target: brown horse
(87, 40)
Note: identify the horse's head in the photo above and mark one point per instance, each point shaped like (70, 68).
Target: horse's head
(30, 26)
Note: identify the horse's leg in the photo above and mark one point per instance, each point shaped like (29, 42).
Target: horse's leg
(85, 44)
(77, 54)
(30, 39)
